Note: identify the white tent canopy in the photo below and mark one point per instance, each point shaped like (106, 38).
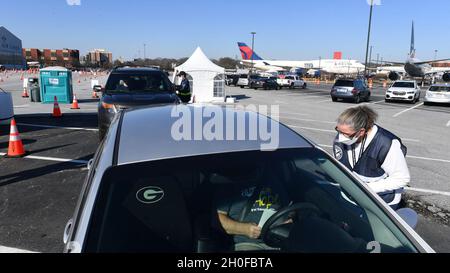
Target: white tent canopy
(207, 82)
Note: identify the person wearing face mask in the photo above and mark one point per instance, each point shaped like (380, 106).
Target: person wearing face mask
(373, 153)
(184, 90)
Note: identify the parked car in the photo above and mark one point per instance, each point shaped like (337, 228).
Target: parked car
(244, 80)
(232, 79)
(149, 192)
(291, 81)
(438, 93)
(130, 87)
(350, 89)
(264, 83)
(403, 91)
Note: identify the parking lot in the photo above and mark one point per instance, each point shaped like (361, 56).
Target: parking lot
(38, 193)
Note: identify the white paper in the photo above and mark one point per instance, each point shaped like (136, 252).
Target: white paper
(265, 216)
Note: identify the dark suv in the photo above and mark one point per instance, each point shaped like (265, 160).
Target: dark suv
(350, 89)
(129, 87)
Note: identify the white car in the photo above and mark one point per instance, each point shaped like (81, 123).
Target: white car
(404, 91)
(438, 93)
(291, 82)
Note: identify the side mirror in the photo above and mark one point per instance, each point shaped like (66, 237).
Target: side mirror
(89, 165)
(409, 216)
(67, 231)
(98, 88)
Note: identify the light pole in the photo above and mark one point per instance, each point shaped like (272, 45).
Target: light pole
(368, 37)
(145, 55)
(435, 54)
(320, 65)
(370, 56)
(253, 49)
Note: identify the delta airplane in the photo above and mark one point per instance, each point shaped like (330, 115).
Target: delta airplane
(334, 66)
(414, 67)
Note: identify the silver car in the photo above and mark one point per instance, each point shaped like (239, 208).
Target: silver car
(437, 93)
(148, 191)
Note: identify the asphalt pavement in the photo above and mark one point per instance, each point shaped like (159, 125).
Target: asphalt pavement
(38, 193)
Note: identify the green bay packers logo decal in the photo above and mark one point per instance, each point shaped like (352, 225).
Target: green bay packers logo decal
(338, 153)
(150, 195)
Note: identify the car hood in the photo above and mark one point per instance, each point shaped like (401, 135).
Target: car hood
(396, 89)
(138, 99)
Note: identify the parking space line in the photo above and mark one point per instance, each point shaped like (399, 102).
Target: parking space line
(4, 250)
(322, 101)
(409, 109)
(428, 159)
(429, 191)
(408, 156)
(57, 127)
(292, 113)
(22, 106)
(312, 129)
(312, 120)
(53, 159)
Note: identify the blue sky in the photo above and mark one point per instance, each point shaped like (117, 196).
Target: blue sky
(290, 29)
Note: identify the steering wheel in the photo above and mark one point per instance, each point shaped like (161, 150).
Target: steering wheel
(273, 235)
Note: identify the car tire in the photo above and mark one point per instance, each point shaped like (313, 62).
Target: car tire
(334, 99)
(304, 86)
(387, 101)
(358, 99)
(242, 87)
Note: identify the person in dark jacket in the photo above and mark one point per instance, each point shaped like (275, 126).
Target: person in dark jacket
(373, 153)
(184, 90)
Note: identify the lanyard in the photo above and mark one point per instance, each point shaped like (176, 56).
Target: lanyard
(363, 144)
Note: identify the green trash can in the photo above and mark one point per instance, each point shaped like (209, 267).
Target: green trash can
(56, 81)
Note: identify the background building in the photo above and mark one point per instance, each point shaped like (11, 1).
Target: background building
(10, 50)
(61, 57)
(99, 57)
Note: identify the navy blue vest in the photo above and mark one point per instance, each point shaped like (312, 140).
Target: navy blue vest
(369, 165)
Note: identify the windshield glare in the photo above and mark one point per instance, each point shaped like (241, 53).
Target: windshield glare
(132, 83)
(341, 83)
(403, 85)
(440, 89)
(190, 197)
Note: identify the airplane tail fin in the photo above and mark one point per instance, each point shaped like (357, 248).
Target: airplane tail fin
(247, 53)
(412, 51)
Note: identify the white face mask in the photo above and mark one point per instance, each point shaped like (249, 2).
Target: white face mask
(348, 141)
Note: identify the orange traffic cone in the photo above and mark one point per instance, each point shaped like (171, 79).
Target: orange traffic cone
(56, 109)
(94, 95)
(25, 93)
(75, 103)
(15, 142)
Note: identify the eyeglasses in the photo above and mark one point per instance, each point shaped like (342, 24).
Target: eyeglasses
(346, 135)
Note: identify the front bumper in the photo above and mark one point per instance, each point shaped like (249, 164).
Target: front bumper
(407, 97)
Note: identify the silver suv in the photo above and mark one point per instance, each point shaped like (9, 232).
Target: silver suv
(148, 191)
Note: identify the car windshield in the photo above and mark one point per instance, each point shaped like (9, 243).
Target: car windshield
(343, 83)
(174, 205)
(403, 85)
(133, 83)
(440, 89)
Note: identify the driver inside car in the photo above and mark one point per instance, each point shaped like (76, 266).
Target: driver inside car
(244, 208)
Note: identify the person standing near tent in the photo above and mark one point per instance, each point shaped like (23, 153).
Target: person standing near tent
(184, 90)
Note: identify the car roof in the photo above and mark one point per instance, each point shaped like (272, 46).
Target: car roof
(135, 70)
(441, 85)
(146, 135)
(406, 81)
